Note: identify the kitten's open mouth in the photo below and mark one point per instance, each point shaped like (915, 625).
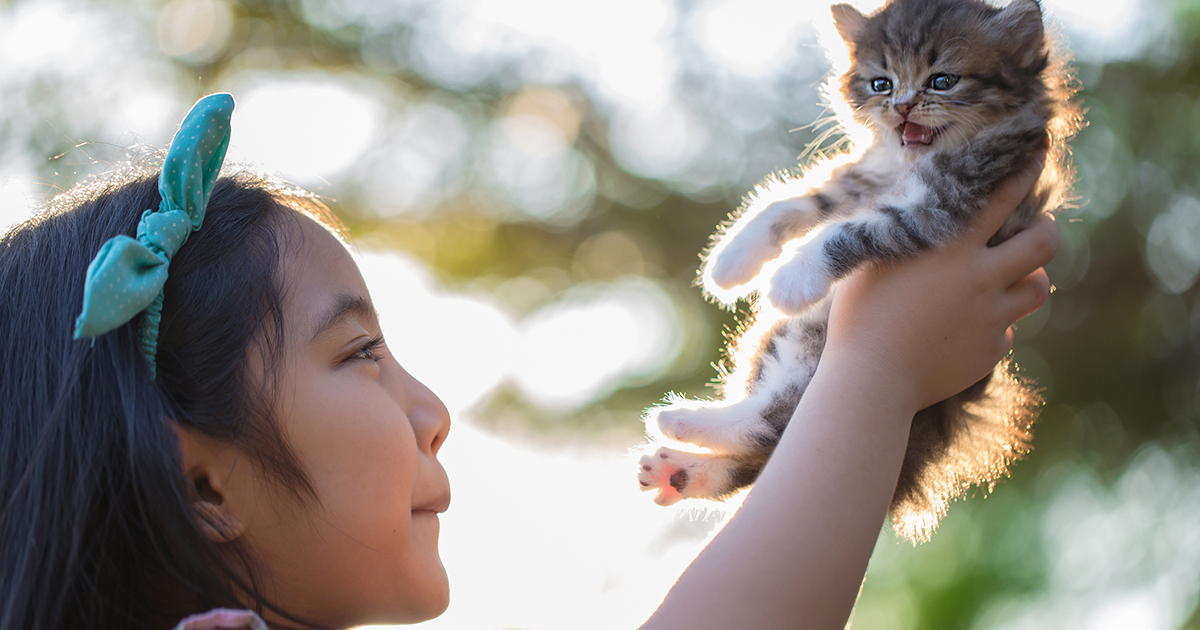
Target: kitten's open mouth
(913, 133)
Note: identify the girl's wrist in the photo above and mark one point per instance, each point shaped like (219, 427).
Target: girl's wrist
(867, 371)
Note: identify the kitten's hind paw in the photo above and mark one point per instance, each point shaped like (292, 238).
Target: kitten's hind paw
(677, 424)
(663, 471)
(799, 284)
(677, 475)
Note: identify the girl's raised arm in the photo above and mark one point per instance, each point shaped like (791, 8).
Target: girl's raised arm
(900, 338)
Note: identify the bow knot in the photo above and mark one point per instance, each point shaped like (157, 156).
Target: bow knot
(164, 232)
(127, 276)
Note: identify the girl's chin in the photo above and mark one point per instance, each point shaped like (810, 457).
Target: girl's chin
(435, 594)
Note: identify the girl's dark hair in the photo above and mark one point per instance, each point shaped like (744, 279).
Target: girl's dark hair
(96, 528)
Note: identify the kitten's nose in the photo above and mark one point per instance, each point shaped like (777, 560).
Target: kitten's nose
(904, 108)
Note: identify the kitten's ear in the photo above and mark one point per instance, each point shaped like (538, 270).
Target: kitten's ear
(849, 21)
(1021, 23)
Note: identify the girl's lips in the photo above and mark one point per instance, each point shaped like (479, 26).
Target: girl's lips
(437, 505)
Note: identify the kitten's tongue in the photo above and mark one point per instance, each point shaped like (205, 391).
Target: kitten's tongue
(917, 134)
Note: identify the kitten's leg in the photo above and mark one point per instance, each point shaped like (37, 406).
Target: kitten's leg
(781, 210)
(740, 427)
(677, 475)
(889, 232)
(932, 206)
(780, 361)
(757, 238)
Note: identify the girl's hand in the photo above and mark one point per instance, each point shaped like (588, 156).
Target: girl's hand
(938, 323)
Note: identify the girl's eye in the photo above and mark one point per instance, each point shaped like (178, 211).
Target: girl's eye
(942, 81)
(881, 86)
(370, 350)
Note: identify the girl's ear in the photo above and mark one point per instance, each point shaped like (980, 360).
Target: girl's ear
(218, 524)
(209, 467)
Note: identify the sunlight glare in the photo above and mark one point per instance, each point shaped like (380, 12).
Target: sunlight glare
(592, 340)
(755, 37)
(529, 160)
(194, 31)
(305, 128)
(1136, 610)
(455, 49)
(17, 198)
(581, 347)
(46, 35)
(56, 68)
(621, 44)
(1120, 29)
(458, 345)
(657, 144)
(421, 162)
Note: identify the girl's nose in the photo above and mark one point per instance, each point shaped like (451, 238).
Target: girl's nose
(430, 419)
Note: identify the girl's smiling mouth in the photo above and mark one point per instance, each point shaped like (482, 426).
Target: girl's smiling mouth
(433, 506)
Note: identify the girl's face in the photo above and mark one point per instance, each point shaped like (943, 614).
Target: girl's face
(367, 434)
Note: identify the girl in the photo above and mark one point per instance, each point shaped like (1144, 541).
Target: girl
(265, 451)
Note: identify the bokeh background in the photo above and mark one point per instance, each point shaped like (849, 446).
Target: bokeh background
(530, 182)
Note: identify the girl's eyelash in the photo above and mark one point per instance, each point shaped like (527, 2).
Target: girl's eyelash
(368, 350)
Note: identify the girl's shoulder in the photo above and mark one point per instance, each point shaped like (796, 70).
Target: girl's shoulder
(223, 619)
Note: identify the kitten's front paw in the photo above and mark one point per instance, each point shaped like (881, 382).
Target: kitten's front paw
(739, 261)
(798, 285)
(666, 472)
(732, 269)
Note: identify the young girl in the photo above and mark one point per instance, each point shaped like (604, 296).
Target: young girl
(245, 441)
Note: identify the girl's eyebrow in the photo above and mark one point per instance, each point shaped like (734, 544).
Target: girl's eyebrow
(345, 306)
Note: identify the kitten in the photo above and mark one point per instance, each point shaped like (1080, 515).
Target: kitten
(954, 96)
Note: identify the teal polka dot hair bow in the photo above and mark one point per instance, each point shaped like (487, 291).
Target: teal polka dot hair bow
(127, 276)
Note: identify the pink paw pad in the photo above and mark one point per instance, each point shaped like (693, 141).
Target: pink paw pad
(660, 472)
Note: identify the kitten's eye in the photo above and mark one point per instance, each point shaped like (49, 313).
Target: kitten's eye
(942, 81)
(881, 86)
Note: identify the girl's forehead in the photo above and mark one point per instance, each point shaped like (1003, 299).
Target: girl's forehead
(318, 272)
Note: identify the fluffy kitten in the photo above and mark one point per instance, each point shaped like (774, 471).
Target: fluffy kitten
(954, 96)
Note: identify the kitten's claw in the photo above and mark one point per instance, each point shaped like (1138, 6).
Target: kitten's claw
(798, 285)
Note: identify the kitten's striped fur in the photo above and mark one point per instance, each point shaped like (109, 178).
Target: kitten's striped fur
(970, 93)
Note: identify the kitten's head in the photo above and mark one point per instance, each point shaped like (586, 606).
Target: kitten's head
(930, 74)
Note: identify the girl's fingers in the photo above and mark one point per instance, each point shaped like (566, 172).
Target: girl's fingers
(1027, 295)
(1026, 251)
(1007, 197)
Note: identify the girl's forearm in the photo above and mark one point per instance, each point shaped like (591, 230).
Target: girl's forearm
(794, 555)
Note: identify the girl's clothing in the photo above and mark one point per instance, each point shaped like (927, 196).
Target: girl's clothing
(223, 619)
